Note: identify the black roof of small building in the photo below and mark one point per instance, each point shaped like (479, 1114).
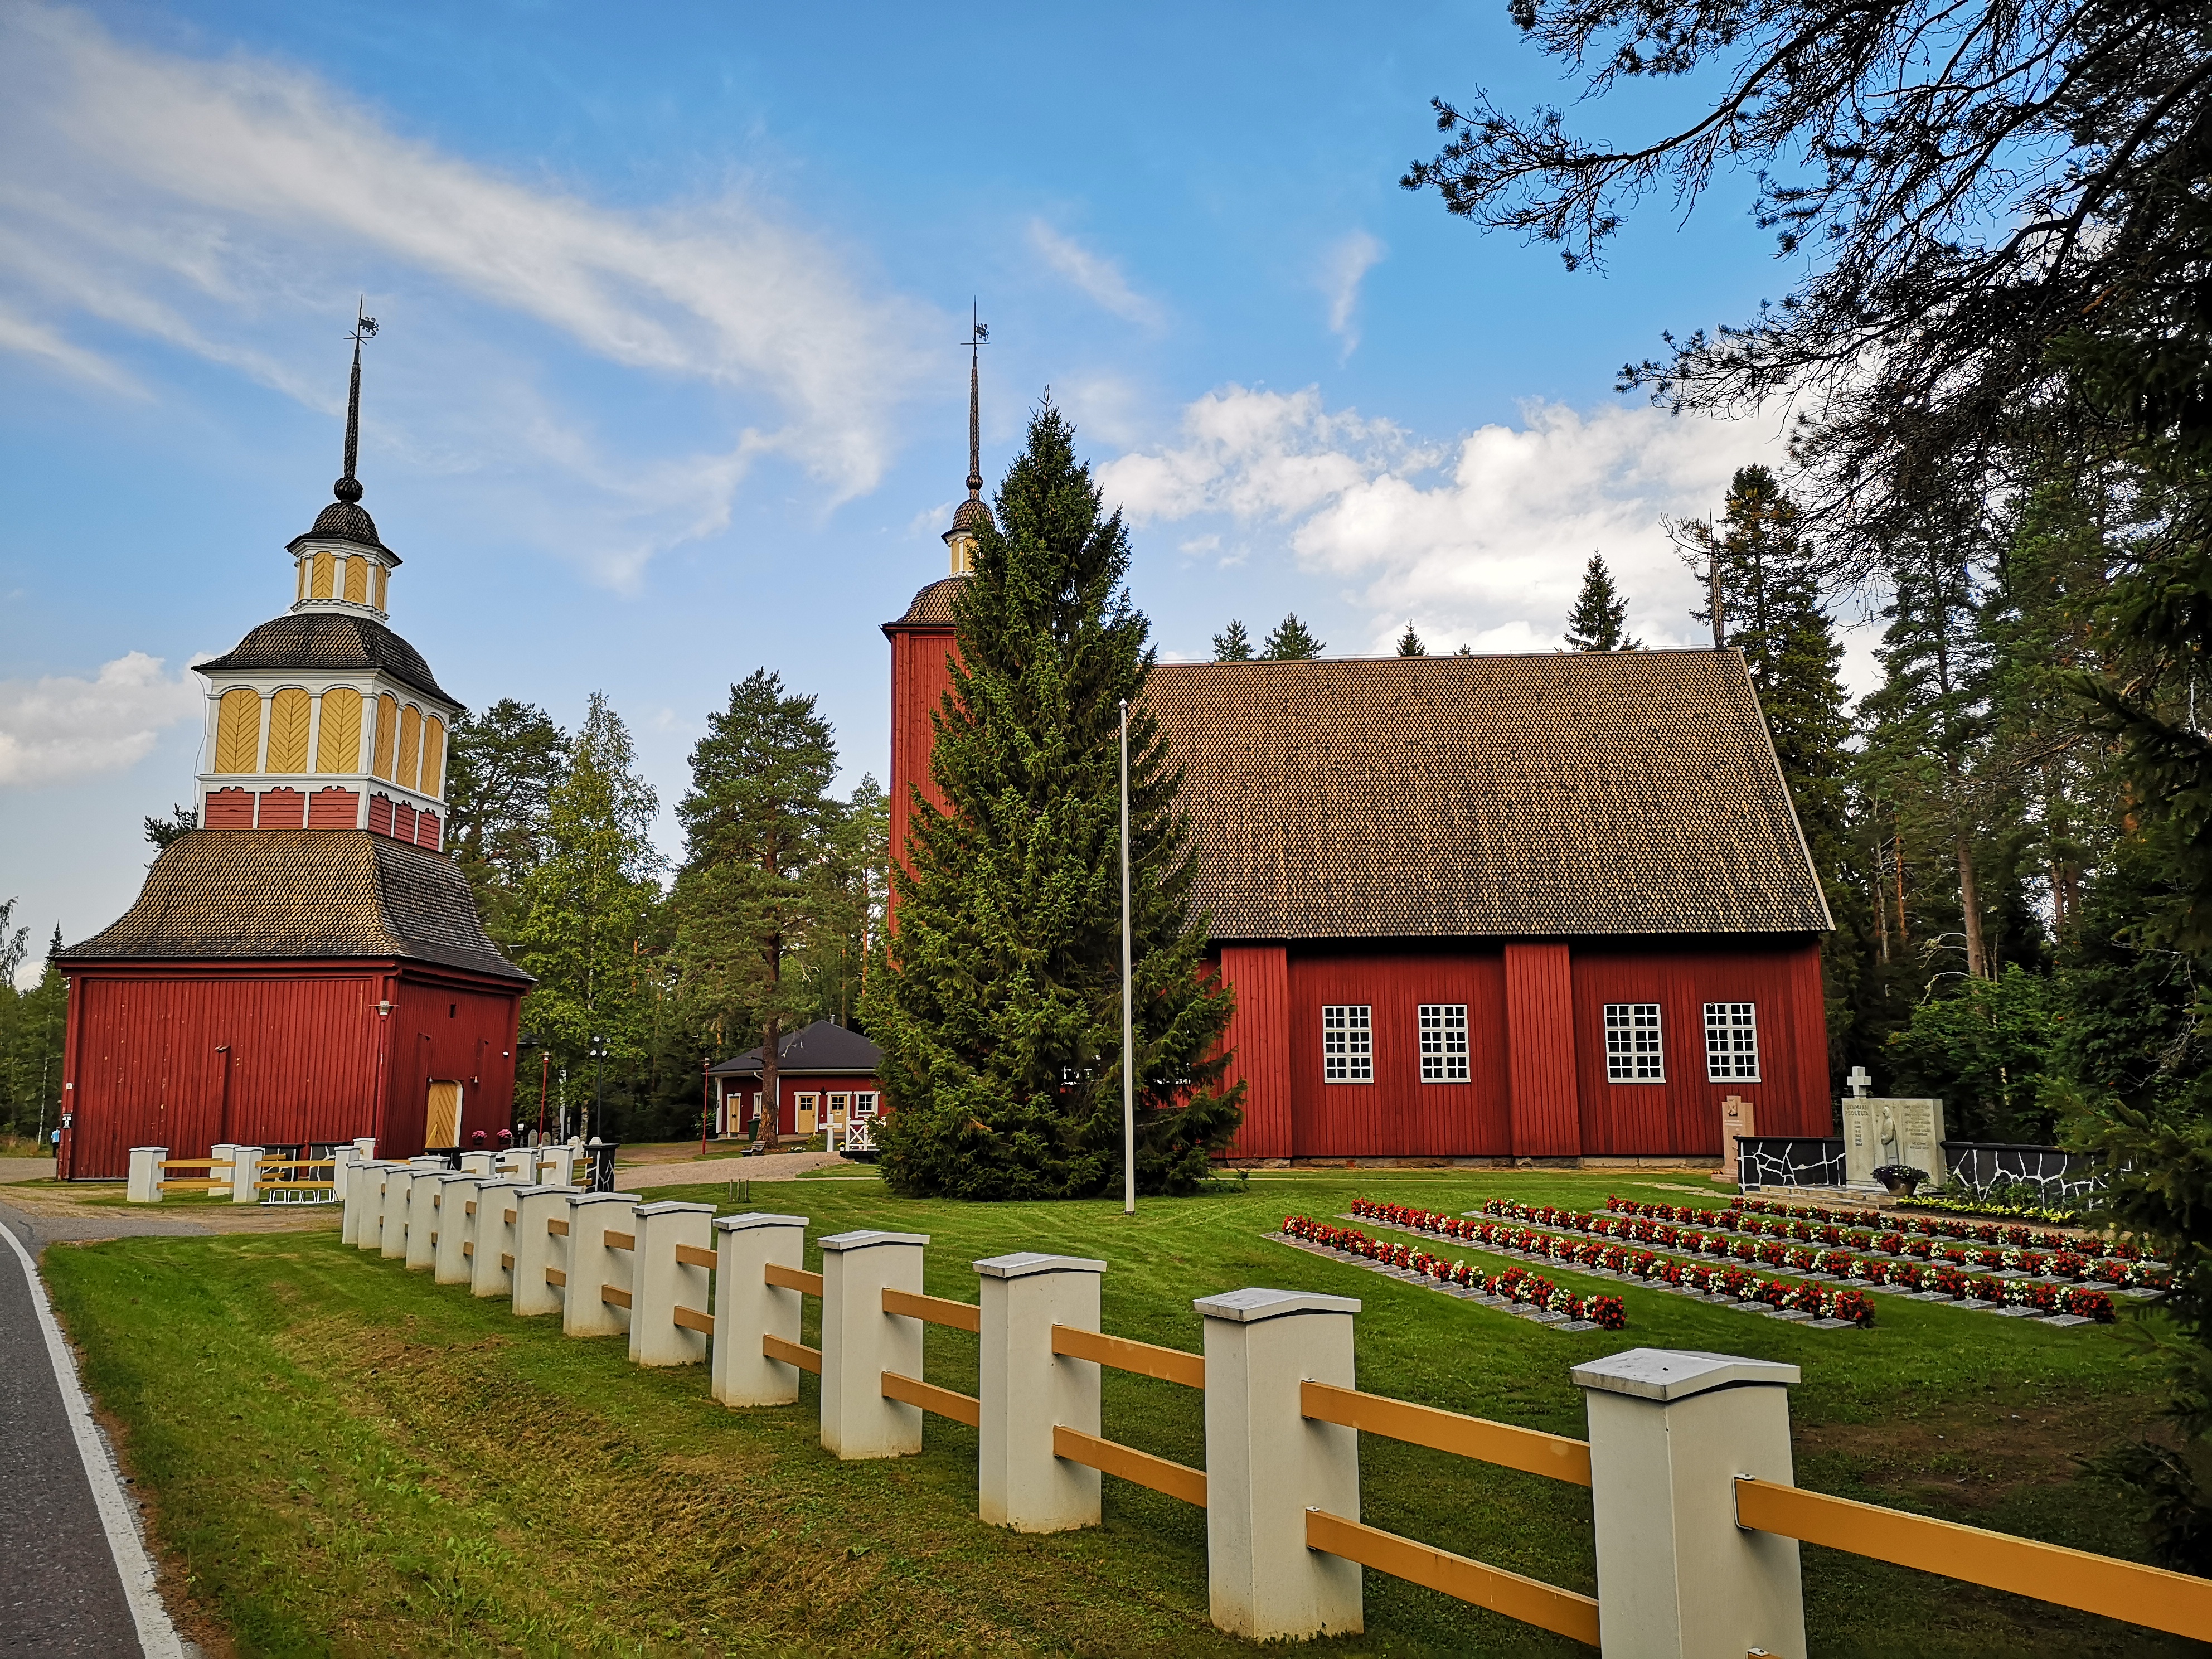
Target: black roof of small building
(330, 640)
(824, 1048)
(289, 895)
(348, 521)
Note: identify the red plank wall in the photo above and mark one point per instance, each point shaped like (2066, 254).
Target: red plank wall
(1260, 1044)
(445, 1030)
(921, 673)
(1539, 1040)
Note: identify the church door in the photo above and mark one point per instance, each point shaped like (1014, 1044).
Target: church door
(442, 1126)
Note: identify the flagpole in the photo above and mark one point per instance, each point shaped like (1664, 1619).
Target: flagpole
(1128, 1017)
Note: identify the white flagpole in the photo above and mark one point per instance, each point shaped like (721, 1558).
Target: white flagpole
(1128, 1015)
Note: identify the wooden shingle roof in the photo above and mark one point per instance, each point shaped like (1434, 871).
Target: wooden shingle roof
(276, 895)
(329, 640)
(1571, 793)
(821, 1049)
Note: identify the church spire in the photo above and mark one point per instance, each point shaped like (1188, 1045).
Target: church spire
(971, 512)
(348, 489)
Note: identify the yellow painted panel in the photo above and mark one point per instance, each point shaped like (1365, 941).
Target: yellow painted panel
(410, 745)
(383, 575)
(238, 731)
(302, 566)
(320, 588)
(288, 731)
(338, 747)
(433, 756)
(387, 723)
(441, 1124)
(357, 581)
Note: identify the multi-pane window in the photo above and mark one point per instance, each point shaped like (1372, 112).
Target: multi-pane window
(1631, 1043)
(1444, 1042)
(1732, 1041)
(863, 1105)
(1347, 1043)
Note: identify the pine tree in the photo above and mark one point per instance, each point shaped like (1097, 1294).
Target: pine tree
(1598, 622)
(1409, 642)
(1292, 642)
(999, 1012)
(502, 768)
(758, 823)
(1232, 644)
(161, 832)
(591, 905)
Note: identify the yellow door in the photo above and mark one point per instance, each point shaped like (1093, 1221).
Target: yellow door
(837, 1110)
(805, 1113)
(442, 1127)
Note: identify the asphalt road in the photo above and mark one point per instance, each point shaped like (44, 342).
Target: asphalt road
(62, 1594)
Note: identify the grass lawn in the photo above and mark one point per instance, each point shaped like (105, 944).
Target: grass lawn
(341, 1457)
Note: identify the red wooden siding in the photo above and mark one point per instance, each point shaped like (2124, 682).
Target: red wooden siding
(1539, 1015)
(745, 1097)
(379, 814)
(426, 830)
(1397, 1115)
(229, 809)
(921, 673)
(1259, 1041)
(403, 822)
(334, 809)
(283, 809)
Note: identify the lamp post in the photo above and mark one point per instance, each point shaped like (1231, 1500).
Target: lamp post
(599, 1124)
(1129, 1014)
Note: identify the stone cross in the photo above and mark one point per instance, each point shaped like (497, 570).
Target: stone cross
(1860, 1082)
(1736, 1119)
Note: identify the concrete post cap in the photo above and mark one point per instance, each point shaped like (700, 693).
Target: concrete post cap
(673, 1206)
(461, 1175)
(529, 1190)
(150, 1149)
(866, 1240)
(505, 1183)
(1669, 1373)
(1022, 1263)
(739, 1223)
(575, 1197)
(1246, 1306)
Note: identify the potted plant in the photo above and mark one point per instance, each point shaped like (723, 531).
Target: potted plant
(1900, 1178)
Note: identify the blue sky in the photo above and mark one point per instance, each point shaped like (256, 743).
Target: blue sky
(670, 384)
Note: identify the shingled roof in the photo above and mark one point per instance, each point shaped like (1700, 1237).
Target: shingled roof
(329, 640)
(1629, 792)
(823, 1048)
(932, 606)
(276, 894)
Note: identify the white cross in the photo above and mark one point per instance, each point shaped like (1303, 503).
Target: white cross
(1860, 1082)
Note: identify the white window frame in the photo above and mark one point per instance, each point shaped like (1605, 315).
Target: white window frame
(1635, 1042)
(1443, 1029)
(1731, 1043)
(1347, 1042)
(864, 1103)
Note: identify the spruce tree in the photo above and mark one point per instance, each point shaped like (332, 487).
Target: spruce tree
(1292, 642)
(1598, 622)
(1409, 642)
(1000, 1008)
(1232, 644)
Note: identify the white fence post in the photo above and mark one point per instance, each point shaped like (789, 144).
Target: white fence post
(345, 1158)
(1677, 1578)
(398, 1182)
(1025, 1390)
(366, 1231)
(424, 1215)
(144, 1184)
(747, 1308)
(860, 1342)
(596, 1268)
(493, 1263)
(659, 1284)
(453, 1261)
(481, 1164)
(1268, 1463)
(245, 1172)
(538, 1251)
(367, 1144)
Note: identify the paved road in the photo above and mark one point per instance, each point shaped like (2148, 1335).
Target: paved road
(62, 1594)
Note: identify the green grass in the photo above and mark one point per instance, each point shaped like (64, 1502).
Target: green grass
(343, 1457)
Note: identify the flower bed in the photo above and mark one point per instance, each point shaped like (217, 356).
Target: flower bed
(1767, 1211)
(1516, 1284)
(1824, 1246)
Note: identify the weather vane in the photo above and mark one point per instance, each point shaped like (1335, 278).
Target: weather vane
(348, 488)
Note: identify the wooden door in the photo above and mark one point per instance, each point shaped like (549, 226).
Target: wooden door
(804, 1116)
(442, 1124)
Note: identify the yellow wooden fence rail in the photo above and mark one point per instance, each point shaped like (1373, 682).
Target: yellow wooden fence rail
(1120, 1354)
(1128, 1463)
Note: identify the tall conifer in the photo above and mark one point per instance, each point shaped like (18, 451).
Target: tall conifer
(999, 1011)
(1292, 641)
(1598, 621)
(1232, 644)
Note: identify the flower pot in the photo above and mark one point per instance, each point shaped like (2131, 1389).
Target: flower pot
(1899, 1188)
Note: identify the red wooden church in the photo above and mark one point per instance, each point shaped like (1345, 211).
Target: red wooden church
(310, 966)
(1552, 907)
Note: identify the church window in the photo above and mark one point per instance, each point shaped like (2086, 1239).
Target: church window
(290, 712)
(1347, 1044)
(356, 580)
(1732, 1041)
(410, 745)
(387, 733)
(1631, 1043)
(337, 741)
(320, 586)
(434, 756)
(238, 731)
(1444, 1042)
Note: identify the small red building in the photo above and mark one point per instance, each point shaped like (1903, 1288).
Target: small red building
(308, 967)
(826, 1076)
(1552, 907)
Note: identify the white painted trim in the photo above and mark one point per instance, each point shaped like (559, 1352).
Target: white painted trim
(157, 1637)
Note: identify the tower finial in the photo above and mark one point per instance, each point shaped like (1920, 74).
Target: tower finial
(979, 334)
(348, 489)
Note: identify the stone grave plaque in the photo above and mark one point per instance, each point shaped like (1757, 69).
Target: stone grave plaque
(1736, 1119)
(1920, 1138)
(1861, 1151)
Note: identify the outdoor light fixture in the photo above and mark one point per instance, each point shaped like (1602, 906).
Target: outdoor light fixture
(383, 1011)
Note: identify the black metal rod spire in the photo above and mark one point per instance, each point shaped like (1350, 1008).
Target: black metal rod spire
(979, 333)
(348, 488)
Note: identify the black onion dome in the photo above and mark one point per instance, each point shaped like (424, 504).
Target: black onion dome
(348, 521)
(332, 640)
(970, 514)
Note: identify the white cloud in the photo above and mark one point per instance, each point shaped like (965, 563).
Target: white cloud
(1095, 275)
(1343, 269)
(61, 728)
(1481, 541)
(217, 205)
(19, 333)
